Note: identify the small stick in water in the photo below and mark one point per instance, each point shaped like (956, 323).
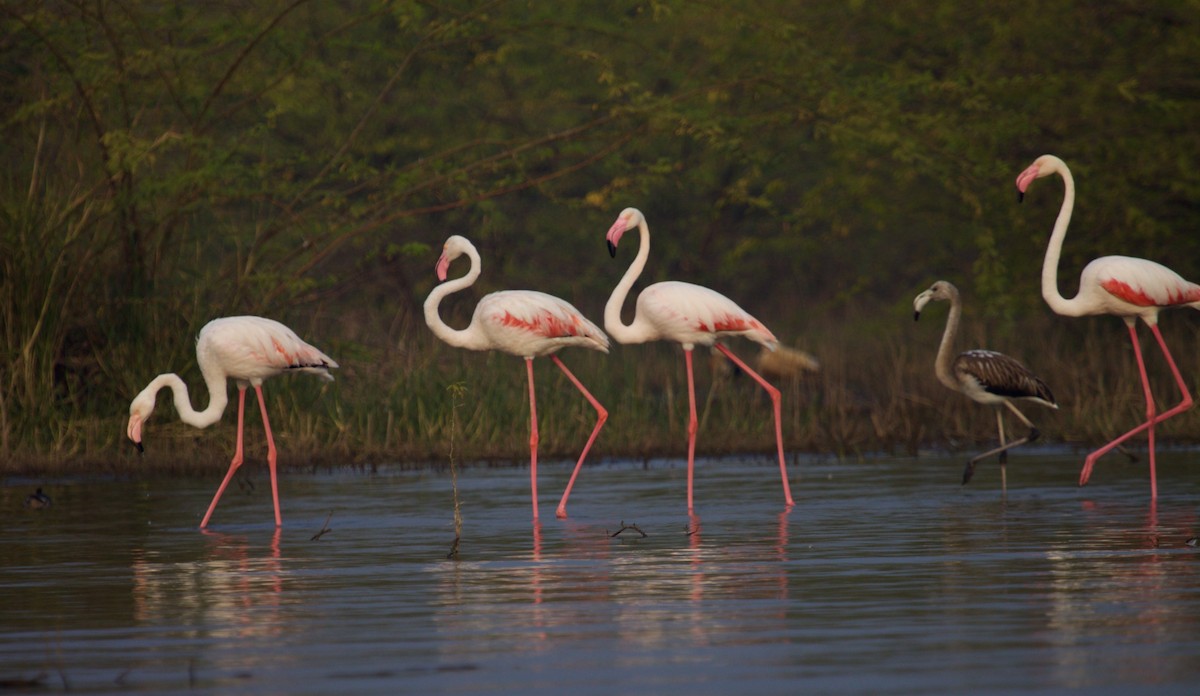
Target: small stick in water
(324, 528)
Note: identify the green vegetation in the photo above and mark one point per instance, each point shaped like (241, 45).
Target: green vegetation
(821, 163)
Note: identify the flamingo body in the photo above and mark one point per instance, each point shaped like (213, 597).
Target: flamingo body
(985, 376)
(531, 324)
(992, 378)
(689, 315)
(247, 349)
(525, 323)
(693, 315)
(1123, 286)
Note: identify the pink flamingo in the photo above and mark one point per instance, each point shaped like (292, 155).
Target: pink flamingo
(1123, 286)
(524, 323)
(248, 350)
(690, 315)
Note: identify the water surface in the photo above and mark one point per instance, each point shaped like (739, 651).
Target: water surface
(887, 577)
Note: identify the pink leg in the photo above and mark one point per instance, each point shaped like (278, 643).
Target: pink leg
(233, 465)
(533, 438)
(776, 402)
(601, 416)
(1086, 473)
(1186, 402)
(262, 406)
(692, 423)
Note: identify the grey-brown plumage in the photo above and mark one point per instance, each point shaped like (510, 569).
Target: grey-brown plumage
(985, 376)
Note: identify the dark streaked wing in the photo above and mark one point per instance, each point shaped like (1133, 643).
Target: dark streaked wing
(1001, 375)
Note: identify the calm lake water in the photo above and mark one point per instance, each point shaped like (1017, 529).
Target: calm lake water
(887, 577)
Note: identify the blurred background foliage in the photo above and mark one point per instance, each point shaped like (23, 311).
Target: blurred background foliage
(820, 162)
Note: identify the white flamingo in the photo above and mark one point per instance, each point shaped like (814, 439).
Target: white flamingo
(1123, 286)
(690, 315)
(987, 377)
(248, 350)
(524, 323)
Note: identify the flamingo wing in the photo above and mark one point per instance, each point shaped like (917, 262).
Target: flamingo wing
(254, 348)
(1141, 282)
(693, 314)
(990, 377)
(533, 324)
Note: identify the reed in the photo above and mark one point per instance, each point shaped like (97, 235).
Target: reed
(875, 393)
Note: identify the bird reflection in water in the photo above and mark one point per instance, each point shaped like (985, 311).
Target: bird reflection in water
(234, 587)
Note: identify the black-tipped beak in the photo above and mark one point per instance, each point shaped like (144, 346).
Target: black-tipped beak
(140, 449)
(612, 250)
(916, 316)
(1020, 196)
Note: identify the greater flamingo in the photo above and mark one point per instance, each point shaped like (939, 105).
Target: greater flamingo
(524, 323)
(987, 377)
(248, 350)
(1123, 286)
(690, 315)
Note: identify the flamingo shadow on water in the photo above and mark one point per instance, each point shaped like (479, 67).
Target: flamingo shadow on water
(985, 376)
(689, 315)
(247, 349)
(524, 323)
(1122, 286)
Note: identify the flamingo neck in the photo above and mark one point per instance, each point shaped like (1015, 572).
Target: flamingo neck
(942, 365)
(218, 398)
(636, 331)
(1050, 293)
(460, 338)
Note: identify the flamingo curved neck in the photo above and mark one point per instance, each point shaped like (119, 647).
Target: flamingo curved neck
(1050, 293)
(459, 338)
(941, 365)
(218, 399)
(636, 331)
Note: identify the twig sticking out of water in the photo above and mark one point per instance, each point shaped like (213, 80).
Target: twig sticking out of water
(628, 527)
(324, 528)
(457, 390)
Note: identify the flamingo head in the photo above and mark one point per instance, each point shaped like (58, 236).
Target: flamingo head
(454, 247)
(940, 290)
(1042, 166)
(627, 220)
(139, 412)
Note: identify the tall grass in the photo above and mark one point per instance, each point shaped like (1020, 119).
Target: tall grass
(875, 394)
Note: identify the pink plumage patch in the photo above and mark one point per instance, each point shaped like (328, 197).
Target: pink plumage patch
(546, 325)
(731, 323)
(287, 357)
(1142, 298)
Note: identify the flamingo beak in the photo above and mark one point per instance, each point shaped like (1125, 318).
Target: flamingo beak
(1024, 178)
(135, 433)
(614, 235)
(443, 266)
(917, 315)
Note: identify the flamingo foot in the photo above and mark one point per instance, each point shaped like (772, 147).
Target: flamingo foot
(1086, 473)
